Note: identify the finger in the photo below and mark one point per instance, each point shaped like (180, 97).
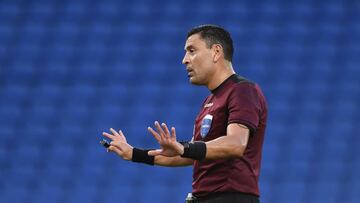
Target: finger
(173, 133)
(114, 132)
(112, 143)
(117, 144)
(155, 134)
(122, 135)
(112, 137)
(155, 152)
(158, 127)
(165, 128)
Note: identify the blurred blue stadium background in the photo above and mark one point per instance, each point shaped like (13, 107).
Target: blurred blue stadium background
(70, 70)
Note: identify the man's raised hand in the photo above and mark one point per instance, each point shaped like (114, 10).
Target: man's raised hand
(168, 145)
(119, 144)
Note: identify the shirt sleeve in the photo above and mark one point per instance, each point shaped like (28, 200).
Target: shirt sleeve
(244, 106)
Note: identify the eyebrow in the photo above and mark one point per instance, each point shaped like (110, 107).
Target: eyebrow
(189, 47)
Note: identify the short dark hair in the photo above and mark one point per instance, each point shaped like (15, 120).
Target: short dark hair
(213, 34)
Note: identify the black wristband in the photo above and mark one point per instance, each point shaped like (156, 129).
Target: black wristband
(141, 156)
(194, 150)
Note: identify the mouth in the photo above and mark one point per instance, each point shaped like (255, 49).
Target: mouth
(190, 72)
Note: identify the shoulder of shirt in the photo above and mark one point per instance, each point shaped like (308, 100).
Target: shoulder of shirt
(242, 80)
(242, 85)
(234, 82)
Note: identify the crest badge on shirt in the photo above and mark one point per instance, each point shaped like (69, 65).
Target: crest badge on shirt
(206, 125)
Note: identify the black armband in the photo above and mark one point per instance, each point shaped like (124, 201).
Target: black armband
(141, 156)
(194, 150)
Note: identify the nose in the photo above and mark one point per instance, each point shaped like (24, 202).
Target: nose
(185, 60)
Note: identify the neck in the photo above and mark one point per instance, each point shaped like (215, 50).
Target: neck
(220, 76)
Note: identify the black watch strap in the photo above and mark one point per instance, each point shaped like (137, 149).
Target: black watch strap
(194, 150)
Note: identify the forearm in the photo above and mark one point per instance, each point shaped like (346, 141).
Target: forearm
(176, 161)
(224, 147)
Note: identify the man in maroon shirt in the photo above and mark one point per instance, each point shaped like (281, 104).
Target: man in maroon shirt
(226, 147)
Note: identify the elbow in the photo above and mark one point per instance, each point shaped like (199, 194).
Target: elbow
(237, 151)
(239, 154)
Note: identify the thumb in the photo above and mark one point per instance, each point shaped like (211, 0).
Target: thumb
(155, 152)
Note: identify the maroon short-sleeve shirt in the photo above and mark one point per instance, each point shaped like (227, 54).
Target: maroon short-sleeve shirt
(236, 100)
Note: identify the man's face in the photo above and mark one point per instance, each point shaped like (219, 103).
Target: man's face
(198, 60)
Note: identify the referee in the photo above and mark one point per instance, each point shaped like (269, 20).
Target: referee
(225, 150)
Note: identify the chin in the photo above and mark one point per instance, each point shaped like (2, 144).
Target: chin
(194, 81)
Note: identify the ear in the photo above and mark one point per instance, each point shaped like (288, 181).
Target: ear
(218, 52)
